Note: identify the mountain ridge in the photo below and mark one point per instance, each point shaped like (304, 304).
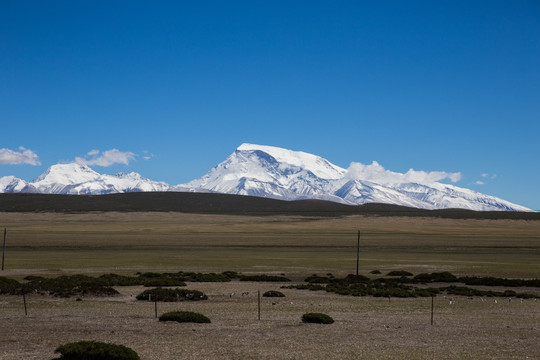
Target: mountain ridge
(277, 173)
(227, 204)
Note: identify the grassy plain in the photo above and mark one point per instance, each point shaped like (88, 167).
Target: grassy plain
(296, 246)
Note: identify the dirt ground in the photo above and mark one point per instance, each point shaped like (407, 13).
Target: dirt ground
(364, 328)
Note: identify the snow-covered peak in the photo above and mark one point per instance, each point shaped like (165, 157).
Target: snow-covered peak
(10, 184)
(67, 174)
(268, 171)
(317, 165)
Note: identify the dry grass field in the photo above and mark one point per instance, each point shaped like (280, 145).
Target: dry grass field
(365, 327)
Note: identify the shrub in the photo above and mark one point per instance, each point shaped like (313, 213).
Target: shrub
(313, 287)
(375, 272)
(8, 286)
(202, 277)
(171, 295)
(273, 293)
(399, 273)
(355, 279)
(92, 350)
(316, 279)
(269, 278)
(184, 316)
(317, 318)
(444, 276)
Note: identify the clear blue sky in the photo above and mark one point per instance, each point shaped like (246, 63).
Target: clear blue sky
(430, 85)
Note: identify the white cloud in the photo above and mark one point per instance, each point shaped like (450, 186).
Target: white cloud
(479, 182)
(148, 155)
(490, 176)
(376, 173)
(107, 158)
(24, 156)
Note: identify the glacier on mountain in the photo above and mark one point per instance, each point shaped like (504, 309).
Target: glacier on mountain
(79, 179)
(273, 172)
(292, 175)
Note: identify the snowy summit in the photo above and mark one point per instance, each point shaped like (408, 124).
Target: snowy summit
(273, 172)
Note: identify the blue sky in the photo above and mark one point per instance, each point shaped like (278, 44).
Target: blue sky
(171, 88)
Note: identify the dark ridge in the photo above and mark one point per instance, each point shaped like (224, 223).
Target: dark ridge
(210, 203)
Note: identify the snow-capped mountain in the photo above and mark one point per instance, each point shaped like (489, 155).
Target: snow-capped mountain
(291, 175)
(78, 179)
(9, 184)
(273, 172)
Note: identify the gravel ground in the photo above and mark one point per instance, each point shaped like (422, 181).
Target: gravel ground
(364, 328)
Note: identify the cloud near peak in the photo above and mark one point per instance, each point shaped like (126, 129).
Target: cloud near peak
(377, 173)
(23, 156)
(106, 158)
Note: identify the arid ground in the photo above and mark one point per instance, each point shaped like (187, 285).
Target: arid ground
(53, 244)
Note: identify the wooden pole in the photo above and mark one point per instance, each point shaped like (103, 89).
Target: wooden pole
(4, 249)
(24, 301)
(432, 297)
(259, 302)
(358, 253)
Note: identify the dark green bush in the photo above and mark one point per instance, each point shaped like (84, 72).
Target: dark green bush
(66, 286)
(268, 278)
(184, 316)
(171, 295)
(375, 272)
(444, 276)
(273, 293)
(316, 279)
(92, 350)
(317, 318)
(313, 287)
(8, 286)
(354, 279)
(202, 277)
(399, 273)
(230, 274)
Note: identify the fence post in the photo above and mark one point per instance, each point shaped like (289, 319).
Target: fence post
(4, 249)
(432, 297)
(24, 301)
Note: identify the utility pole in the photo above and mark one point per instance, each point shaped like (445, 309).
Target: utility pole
(4, 249)
(358, 253)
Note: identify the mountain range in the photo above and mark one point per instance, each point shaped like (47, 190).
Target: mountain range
(271, 172)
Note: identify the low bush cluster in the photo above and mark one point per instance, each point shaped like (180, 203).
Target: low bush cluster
(444, 276)
(184, 316)
(317, 318)
(9, 286)
(171, 295)
(92, 350)
(266, 278)
(402, 286)
(312, 287)
(399, 273)
(273, 293)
